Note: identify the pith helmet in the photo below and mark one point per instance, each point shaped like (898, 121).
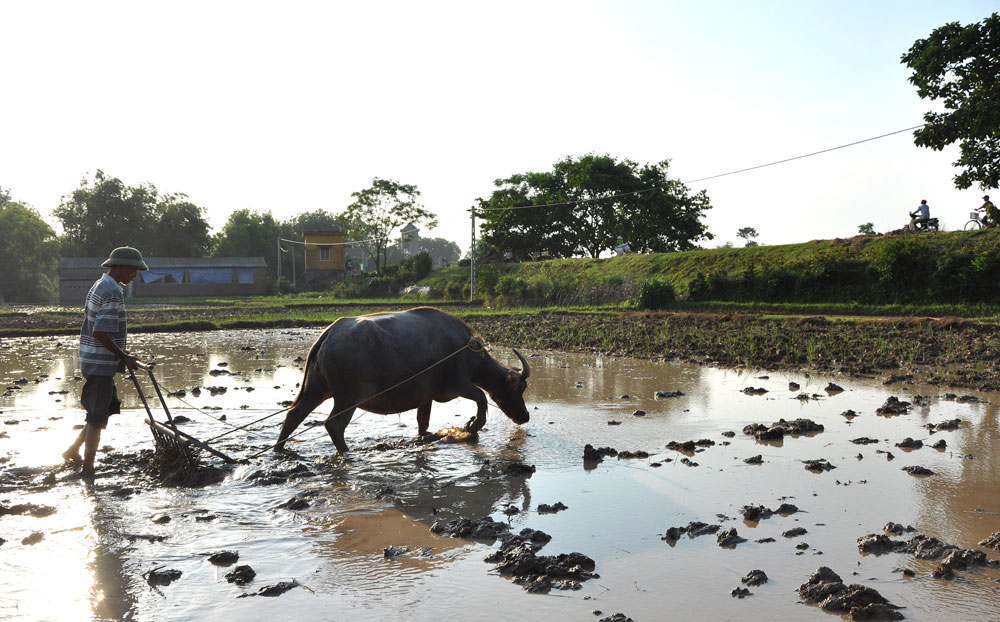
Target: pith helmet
(125, 256)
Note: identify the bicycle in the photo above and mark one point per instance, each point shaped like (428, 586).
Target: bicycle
(975, 222)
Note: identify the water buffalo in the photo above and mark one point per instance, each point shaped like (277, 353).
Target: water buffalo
(391, 362)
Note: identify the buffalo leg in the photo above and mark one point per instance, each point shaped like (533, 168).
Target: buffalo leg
(307, 402)
(423, 419)
(476, 423)
(336, 423)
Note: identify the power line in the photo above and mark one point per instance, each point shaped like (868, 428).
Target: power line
(742, 170)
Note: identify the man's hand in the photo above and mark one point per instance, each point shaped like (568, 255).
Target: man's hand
(131, 362)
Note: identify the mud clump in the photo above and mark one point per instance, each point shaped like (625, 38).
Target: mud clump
(558, 506)
(37, 511)
(241, 575)
(157, 577)
(818, 466)
(538, 574)
(993, 542)
(779, 429)
(926, 547)
(758, 459)
(689, 447)
(755, 578)
(951, 424)
(729, 538)
(918, 470)
(826, 588)
(755, 513)
(864, 440)
(754, 391)
(909, 443)
(794, 532)
(893, 406)
(224, 558)
(693, 530)
(273, 590)
(485, 529)
(660, 395)
(741, 592)
(593, 455)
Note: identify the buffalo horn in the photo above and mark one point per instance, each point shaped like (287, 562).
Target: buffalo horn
(526, 370)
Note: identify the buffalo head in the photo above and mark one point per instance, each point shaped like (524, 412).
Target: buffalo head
(510, 395)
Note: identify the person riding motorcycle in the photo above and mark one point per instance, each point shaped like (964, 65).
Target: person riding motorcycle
(992, 214)
(919, 218)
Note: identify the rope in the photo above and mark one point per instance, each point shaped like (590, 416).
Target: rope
(473, 343)
(235, 428)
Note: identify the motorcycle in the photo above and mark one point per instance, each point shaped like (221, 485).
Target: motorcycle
(931, 224)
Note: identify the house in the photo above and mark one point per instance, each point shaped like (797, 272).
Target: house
(170, 277)
(409, 240)
(325, 261)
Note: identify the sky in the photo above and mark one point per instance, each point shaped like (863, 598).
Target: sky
(288, 107)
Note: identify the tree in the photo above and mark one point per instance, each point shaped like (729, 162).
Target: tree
(440, 250)
(182, 230)
(248, 234)
(100, 216)
(28, 253)
(379, 210)
(866, 229)
(105, 213)
(584, 205)
(960, 66)
(748, 234)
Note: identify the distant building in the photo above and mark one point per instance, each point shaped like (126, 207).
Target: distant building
(170, 277)
(325, 259)
(409, 240)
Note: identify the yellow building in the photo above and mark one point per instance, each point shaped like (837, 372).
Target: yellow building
(324, 259)
(324, 250)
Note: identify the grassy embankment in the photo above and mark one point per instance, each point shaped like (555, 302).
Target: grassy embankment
(956, 273)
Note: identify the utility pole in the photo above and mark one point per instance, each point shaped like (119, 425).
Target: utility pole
(277, 264)
(293, 265)
(472, 258)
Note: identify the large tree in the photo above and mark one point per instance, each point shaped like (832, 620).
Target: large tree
(378, 211)
(585, 205)
(182, 230)
(960, 67)
(105, 213)
(28, 253)
(248, 234)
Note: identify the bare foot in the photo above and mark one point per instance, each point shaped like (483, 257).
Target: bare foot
(72, 457)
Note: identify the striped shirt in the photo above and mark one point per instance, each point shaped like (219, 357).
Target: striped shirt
(105, 312)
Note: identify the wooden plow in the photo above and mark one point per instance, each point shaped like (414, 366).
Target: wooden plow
(166, 435)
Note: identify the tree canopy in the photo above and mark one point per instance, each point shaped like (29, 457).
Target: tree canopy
(105, 213)
(248, 233)
(587, 205)
(960, 67)
(380, 209)
(28, 253)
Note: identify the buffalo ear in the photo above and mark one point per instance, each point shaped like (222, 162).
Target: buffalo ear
(513, 377)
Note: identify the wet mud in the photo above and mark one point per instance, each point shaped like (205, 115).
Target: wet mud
(568, 506)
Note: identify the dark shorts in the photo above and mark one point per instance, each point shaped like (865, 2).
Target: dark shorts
(100, 399)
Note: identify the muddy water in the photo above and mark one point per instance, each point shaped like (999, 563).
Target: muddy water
(102, 537)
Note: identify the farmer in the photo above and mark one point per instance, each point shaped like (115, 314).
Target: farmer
(102, 351)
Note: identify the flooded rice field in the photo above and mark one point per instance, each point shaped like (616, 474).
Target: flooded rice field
(661, 528)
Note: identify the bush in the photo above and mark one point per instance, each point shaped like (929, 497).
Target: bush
(655, 294)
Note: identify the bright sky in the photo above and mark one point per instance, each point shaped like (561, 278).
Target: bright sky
(290, 106)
